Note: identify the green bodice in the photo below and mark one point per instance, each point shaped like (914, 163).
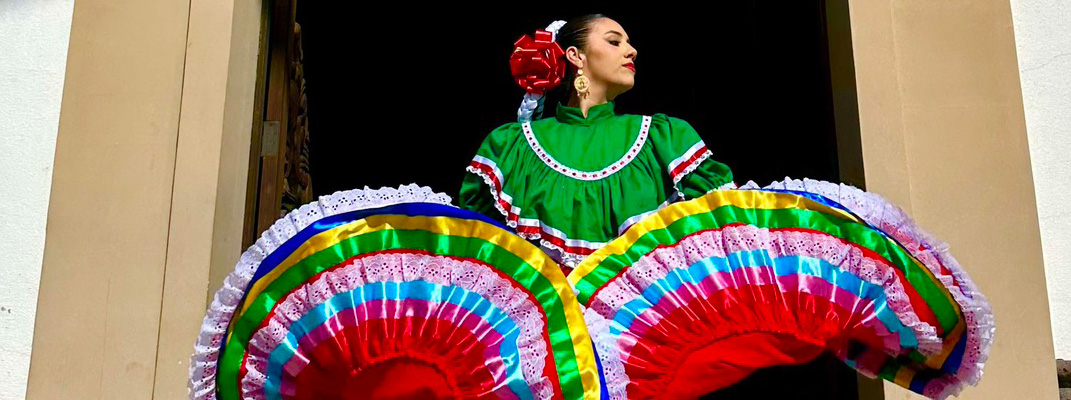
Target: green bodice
(575, 183)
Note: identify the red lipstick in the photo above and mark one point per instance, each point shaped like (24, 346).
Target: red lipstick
(631, 66)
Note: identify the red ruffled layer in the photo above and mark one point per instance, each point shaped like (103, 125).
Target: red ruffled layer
(410, 358)
(713, 342)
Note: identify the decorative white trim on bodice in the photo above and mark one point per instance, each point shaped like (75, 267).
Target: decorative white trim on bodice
(645, 126)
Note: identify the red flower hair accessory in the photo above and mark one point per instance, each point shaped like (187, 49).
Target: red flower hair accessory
(537, 64)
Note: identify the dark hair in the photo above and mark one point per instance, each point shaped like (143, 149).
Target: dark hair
(573, 33)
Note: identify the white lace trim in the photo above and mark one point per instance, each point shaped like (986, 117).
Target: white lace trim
(609, 353)
(930, 251)
(689, 169)
(405, 267)
(641, 138)
(697, 148)
(655, 265)
(501, 199)
(557, 251)
(562, 256)
(203, 363)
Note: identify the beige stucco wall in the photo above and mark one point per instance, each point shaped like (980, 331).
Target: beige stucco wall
(102, 276)
(943, 135)
(147, 194)
(211, 167)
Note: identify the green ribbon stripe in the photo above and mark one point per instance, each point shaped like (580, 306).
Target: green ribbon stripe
(460, 246)
(919, 277)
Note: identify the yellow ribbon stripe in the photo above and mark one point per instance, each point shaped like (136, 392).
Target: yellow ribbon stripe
(741, 198)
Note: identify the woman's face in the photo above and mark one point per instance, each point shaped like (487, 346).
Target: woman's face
(608, 59)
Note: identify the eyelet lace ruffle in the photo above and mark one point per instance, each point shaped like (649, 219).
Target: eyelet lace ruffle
(608, 351)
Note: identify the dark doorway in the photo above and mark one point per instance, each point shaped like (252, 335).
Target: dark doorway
(824, 378)
(406, 94)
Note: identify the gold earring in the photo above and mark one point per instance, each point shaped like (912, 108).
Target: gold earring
(581, 83)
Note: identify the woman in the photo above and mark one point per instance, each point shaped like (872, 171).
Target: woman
(579, 179)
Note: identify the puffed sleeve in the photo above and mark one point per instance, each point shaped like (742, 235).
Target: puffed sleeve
(686, 158)
(482, 188)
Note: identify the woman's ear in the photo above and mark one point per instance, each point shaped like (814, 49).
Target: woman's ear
(575, 57)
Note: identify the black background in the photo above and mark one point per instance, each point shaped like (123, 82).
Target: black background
(406, 94)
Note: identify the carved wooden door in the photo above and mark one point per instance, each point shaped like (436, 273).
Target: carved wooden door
(279, 179)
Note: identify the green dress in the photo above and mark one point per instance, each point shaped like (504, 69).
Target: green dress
(575, 183)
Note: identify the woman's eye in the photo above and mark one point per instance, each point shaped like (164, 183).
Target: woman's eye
(615, 42)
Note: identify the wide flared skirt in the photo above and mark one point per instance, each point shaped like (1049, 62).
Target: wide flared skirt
(704, 292)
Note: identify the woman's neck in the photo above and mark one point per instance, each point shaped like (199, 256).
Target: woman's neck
(586, 102)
